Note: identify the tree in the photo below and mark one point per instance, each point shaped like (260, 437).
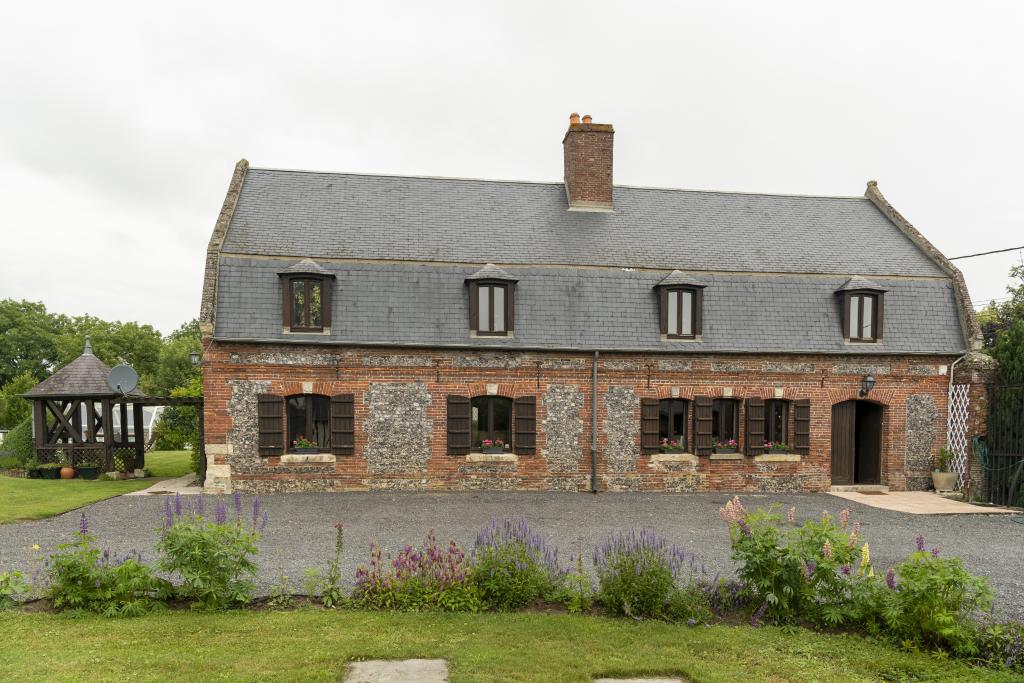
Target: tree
(113, 343)
(28, 336)
(175, 368)
(1002, 327)
(13, 408)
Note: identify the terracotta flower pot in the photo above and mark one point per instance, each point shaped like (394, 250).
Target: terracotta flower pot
(67, 472)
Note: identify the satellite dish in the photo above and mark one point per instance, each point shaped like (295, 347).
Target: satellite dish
(123, 379)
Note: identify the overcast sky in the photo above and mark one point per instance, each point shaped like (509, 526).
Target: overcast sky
(120, 123)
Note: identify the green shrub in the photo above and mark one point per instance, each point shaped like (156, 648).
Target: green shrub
(513, 566)
(641, 575)
(213, 558)
(427, 578)
(934, 601)
(1002, 645)
(800, 573)
(13, 588)
(18, 442)
(81, 577)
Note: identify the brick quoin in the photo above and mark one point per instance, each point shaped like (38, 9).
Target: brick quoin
(349, 370)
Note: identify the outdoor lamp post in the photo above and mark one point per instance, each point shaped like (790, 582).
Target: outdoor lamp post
(866, 385)
(194, 357)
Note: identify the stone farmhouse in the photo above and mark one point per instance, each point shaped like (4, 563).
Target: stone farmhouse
(418, 333)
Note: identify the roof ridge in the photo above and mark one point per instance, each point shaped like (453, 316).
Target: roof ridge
(513, 181)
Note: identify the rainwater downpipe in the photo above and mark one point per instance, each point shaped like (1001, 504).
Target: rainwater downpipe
(593, 424)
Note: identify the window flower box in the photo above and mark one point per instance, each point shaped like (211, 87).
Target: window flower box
(492, 446)
(303, 446)
(777, 447)
(730, 446)
(672, 446)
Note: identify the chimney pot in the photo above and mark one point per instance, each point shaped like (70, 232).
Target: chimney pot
(587, 151)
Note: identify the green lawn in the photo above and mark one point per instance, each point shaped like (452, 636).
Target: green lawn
(314, 645)
(22, 499)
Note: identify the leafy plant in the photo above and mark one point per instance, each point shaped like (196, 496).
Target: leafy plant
(13, 588)
(639, 575)
(18, 442)
(427, 578)
(83, 577)
(513, 565)
(945, 460)
(281, 596)
(1002, 645)
(303, 442)
(329, 586)
(213, 558)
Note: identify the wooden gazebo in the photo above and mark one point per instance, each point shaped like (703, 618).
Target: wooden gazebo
(73, 417)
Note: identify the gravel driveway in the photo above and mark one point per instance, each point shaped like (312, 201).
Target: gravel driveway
(300, 532)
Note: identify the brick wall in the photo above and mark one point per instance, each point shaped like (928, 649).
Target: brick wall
(587, 149)
(235, 373)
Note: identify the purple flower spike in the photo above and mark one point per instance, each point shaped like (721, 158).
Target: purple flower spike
(201, 506)
(936, 550)
(755, 620)
(810, 568)
(890, 579)
(83, 525)
(920, 542)
(238, 504)
(263, 523)
(255, 510)
(845, 569)
(177, 505)
(744, 527)
(220, 513)
(168, 514)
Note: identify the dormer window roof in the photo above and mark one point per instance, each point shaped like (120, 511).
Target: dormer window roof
(306, 266)
(678, 278)
(861, 283)
(491, 272)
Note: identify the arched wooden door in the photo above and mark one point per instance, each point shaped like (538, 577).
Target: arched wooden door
(856, 443)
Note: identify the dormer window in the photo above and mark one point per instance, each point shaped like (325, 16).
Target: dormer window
(681, 302)
(862, 303)
(491, 309)
(306, 304)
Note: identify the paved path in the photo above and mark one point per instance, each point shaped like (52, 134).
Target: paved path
(920, 503)
(300, 532)
(185, 485)
(397, 671)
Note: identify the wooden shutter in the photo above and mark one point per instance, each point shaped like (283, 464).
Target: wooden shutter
(524, 438)
(649, 425)
(459, 419)
(802, 422)
(326, 297)
(663, 308)
(474, 306)
(703, 443)
(510, 308)
(879, 315)
(698, 311)
(755, 426)
(845, 315)
(270, 416)
(286, 302)
(343, 423)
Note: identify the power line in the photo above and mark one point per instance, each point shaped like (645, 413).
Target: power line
(986, 253)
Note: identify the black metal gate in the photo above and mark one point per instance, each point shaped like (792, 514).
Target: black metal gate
(1002, 451)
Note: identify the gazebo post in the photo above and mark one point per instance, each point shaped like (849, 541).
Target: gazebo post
(39, 420)
(108, 435)
(140, 436)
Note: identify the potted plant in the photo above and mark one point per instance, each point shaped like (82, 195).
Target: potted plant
(32, 469)
(942, 478)
(672, 446)
(50, 470)
(304, 446)
(88, 471)
(492, 446)
(729, 446)
(776, 447)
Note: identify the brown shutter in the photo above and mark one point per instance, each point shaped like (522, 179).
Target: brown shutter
(326, 296)
(459, 418)
(343, 423)
(649, 425)
(270, 416)
(802, 422)
(474, 306)
(524, 438)
(702, 413)
(755, 426)
(510, 309)
(846, 315)
(663, 308)
(698, 311)
(286, 301)
(879, 315)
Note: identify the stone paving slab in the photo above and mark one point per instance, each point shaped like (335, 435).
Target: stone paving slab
(182, 485)
(397, 671)
(638, 680)
(919, 503)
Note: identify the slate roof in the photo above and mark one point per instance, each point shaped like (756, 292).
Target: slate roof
(679, 278)
(491, 272)
(584, 309)
(857, 282)
(402, 247)
(85, 377)
(346, 216)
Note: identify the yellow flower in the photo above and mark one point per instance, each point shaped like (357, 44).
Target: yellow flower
(35, 546)
(865, 555)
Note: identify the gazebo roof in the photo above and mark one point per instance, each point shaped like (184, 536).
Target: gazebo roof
(84, 377)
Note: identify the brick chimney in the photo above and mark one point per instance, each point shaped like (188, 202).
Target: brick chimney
(587, 147)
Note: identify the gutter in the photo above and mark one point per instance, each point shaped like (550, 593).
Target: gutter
(593, 424)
